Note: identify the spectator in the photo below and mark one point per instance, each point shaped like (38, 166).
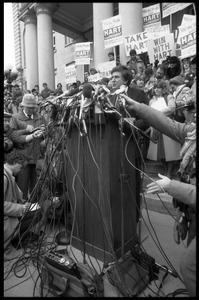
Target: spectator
(36, 87)
(187, 108)
(149, 82)
(40, 98)
(166, 150)
(174, 68)
(181, 94)
(185, 66)
(46, 91)
(189, 79)
(86, 74)
(111, 57)
(193, 65)
(58, 90)
(139, 80)
(93, 71)
(16, 138)
(28, 116)
(161, 72)
(15, 207)
(133, 63)
(133, 84)
(17, 92)
(35, 94)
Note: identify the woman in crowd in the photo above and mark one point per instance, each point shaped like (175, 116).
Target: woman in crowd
(166, 150)
(58, 90)
(181, 94)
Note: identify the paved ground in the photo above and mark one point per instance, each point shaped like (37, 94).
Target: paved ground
(156, 232)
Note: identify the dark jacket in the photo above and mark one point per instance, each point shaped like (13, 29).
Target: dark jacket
(33, 148)
(14, 138)
(45, 93)
(141, 97)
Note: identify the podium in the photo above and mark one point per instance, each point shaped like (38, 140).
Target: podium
(104, 188)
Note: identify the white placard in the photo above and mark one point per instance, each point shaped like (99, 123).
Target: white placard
(105, 68)
(187, 38)
(82, 53)
(161, 47)
(151, 15)
(154, 32)
(171, 8)
(112, 31)
(136, 41)
(70, 74)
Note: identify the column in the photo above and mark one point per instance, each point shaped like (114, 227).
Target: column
(101, 11)
(45, 44)
(31, 51)
(131, 23)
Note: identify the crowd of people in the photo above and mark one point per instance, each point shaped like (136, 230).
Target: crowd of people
(165, 94)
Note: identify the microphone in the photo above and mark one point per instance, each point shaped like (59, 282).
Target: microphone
(86, 99)
(87, 90)
(121, 90)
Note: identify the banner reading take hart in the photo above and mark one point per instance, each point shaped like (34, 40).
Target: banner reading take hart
(136, 41)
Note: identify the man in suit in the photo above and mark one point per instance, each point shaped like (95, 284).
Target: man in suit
(121, 75)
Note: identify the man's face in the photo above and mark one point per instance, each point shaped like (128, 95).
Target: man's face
(111, 57)
(117, 80)
(29, 110)
(159, 74)
(173, 87)
(6, 124)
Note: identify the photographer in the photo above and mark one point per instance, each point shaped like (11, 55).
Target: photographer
(26, 180)
(186, 135)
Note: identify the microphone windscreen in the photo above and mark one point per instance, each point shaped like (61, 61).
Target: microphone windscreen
(72, 92)
(87, 90)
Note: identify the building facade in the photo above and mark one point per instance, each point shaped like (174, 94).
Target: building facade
(45, 36)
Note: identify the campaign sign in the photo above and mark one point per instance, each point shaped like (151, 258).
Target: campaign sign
(187, 37)
(161, 47)
(136, 41)
(71, 74)
(171, 8)
(151, 15)
(105, 68)
(156, 31)
(82, 53)
(112, 31)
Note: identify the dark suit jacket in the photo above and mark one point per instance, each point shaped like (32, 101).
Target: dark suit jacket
(139, 96)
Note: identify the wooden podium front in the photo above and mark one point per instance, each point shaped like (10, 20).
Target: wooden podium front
(104, 189)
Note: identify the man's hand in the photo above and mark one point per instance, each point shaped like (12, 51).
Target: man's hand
(38, 133)
(158, 186)
(29, 128)
(129, 103)
(26, 207)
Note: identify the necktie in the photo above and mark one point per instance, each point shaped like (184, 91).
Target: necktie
(29, 116)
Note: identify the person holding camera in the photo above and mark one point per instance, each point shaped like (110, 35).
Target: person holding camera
(26, 180)
(185, 226)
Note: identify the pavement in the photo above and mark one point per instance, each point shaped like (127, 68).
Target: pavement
(156, 236)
